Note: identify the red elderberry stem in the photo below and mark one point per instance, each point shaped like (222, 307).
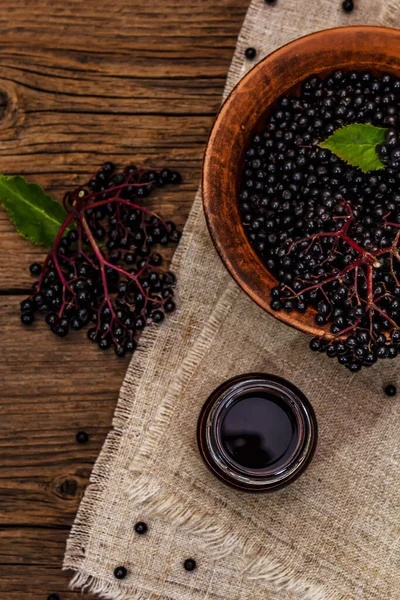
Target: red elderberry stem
(127, 203)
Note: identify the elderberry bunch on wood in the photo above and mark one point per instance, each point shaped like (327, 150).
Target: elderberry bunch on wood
(328, 231)
(103, 270)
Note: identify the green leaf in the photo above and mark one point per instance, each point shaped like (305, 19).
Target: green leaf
(356, 145)
(34, 213)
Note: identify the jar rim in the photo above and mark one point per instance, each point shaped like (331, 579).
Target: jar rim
(224, 466)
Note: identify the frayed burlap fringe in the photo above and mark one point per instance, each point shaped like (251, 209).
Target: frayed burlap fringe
(221, 541)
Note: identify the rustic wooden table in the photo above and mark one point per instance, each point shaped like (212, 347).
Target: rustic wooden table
(82, 82)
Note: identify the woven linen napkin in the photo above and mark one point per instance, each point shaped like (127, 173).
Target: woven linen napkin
(332, 535)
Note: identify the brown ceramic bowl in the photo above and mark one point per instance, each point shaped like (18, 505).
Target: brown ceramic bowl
(348, 48)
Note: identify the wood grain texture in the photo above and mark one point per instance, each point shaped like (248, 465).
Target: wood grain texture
(81, 83)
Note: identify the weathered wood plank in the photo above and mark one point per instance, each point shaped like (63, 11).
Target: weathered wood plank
(51, 389)
(81, 83)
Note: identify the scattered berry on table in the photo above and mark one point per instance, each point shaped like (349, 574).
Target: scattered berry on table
(250, 53)
(82, 437)
(141, 528)
(390, 390)
(348, 5)
(53, 597)
(35, 268)
(120, 573)
(27, 318)
(189, 564)
(105, 269)
(328, 232)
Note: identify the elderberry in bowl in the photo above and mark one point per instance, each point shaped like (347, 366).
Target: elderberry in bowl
(313, 239)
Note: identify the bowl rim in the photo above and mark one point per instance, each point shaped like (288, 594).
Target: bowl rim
(240, 270)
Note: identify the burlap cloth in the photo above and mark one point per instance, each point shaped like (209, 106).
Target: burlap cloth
(332, 535)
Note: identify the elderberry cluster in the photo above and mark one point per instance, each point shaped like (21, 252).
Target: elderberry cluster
(327, 231)
(103, 269)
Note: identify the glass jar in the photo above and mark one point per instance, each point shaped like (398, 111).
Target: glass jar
(257, 432)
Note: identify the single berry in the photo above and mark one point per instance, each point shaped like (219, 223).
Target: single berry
(250, 53)
(176, 177)
(82, 437)
(104, 343)
(169, 306)
(348, 5)
(157, 316)
(131, 346)
(26, 305)
(109, 275)
(189, 564)
(59, 330)
(390, 390)
(76, 324)
(53, 597)
(93, 334)
(27, 318)
(51, 318)
(141, 528)
(108, 167)
(120, 572)
(35, 269)
(72, 236)
(120, 350)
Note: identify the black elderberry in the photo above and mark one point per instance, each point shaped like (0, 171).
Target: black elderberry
(93, 334)
(83, 297)
(174, 237)
(120, 350)
(82, 437)
(27, 318)
(131, 345)
(176, 178)
(382, 351)
(59, 330)
(76, 324)
(141, 528)
(250, 53)
(354, 367)
(189, 564)
(51, 318)
(156, 259)
(276, 305)
(35, 269)
(108, 167)
(370, 358)
(53, 597)
(139, 323)
(390, 390)
(105, 342)
(120, 572)
(278, 217)
(26, 306)
(169, 306)
(348, 5)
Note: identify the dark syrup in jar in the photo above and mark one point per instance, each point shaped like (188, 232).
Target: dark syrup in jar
(258, 431)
